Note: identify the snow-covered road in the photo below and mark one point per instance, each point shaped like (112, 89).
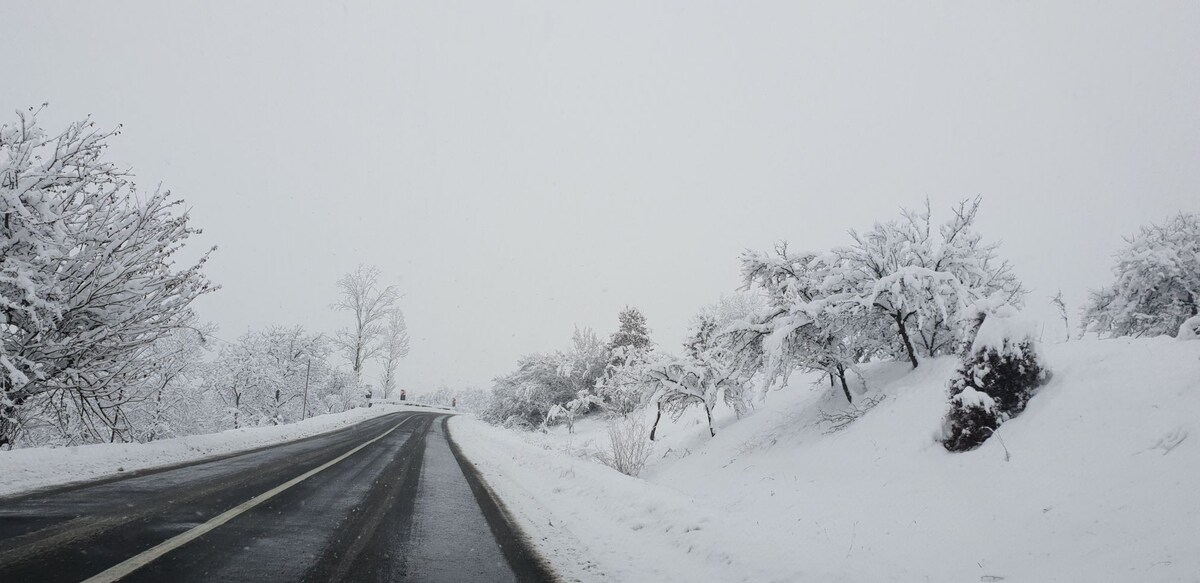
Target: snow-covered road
(386, 499)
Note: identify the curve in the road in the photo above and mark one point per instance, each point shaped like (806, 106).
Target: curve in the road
(390, 499)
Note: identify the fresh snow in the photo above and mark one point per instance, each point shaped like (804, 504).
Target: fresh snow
(23, 470)
(1190, 329)
(1002, 330)
(595, 524)
(1095, 481)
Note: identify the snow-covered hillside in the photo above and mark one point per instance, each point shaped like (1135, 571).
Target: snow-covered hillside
(1095, 481)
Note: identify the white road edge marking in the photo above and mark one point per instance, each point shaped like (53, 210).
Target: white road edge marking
(116, 572)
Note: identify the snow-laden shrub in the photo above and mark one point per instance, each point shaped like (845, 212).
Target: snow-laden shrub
(569, 412)
(629, 445)
(542, 381)
(1000, 372)
(1190, 329)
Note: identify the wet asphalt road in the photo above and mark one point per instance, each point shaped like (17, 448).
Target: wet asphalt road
(397, 503)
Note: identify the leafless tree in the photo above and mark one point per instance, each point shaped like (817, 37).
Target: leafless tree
(1061, 306)
(395, 347)
(370, 304)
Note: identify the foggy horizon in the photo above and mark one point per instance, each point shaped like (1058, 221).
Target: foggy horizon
(522, 169)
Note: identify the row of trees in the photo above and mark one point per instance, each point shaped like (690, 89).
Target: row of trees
(906, 289)
(98, 338)
(897, 291)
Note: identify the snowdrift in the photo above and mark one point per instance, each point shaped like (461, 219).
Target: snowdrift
(1095, 481)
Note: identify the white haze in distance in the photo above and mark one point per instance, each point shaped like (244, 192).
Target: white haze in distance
(520, 168)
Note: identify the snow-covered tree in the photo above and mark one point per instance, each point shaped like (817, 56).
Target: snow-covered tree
(395, 348)
(902, 287)
(289, 353)
(679, 383)
(920, 281)
(89, 279)
(236, 375)
(361, 294)
(1157, 283)
(583, 365)
(1000, 372)
(273, 375)
(801, 327)
(622, 386)
(632, 330)
(170, 399)
(711, 342)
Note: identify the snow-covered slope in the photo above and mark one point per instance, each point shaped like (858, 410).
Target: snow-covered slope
(39, 467)
(1095, 481)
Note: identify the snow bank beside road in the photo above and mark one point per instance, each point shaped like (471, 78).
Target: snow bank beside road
(595, 524)
(28, 469)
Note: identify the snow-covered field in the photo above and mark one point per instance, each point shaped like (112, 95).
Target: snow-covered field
(1095, 481)
(33, 468)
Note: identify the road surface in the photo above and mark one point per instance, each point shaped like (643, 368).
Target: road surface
(388, 499)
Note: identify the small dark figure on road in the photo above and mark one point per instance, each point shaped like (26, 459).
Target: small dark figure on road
(403, 395)
(454, 403)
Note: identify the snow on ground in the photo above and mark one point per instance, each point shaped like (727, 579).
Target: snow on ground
(1095, 481)
(595, 524)
(28, 469)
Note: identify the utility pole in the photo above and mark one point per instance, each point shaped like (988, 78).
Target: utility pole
(306, 372)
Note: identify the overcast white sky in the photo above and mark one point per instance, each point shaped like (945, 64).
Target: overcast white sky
(520, 168)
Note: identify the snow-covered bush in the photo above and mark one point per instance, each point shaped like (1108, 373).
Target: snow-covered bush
(1189, 329)
(629, 447)
(572, 409)
(1000, 372)
(525, 396)
(1157, 285)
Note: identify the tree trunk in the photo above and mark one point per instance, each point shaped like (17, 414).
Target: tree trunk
(841, 370)
(8, 422)
(908, 347)
(708, 411)
(657, 417)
